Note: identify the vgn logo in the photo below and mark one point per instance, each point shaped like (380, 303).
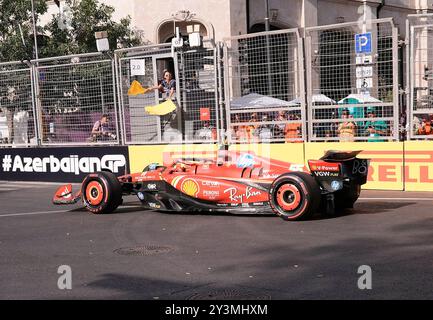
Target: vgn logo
(72, 164)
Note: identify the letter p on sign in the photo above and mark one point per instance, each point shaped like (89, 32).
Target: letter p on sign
(363, 43)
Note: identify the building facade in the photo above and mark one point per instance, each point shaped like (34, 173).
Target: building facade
(223, 18)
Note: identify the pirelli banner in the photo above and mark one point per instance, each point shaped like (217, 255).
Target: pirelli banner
(418, 165)
(66, 164)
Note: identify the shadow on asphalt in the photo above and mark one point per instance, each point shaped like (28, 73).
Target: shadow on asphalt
(373, 207)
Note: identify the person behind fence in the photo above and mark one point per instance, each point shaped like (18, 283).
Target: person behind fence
(167, 86)
(170, 122)
(346, 129)
(101, 130)
(374, 128)
(279, 128)
(264, 130)
(425, 127)
(207, 132)
(292, 130)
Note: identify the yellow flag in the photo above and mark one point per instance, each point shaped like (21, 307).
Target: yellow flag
(136, 89)
(161, 109)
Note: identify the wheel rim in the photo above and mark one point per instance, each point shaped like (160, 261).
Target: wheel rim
(288, 197)
(94, 193)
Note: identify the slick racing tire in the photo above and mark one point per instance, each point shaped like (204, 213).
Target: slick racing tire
(101, 192)
(294, 196)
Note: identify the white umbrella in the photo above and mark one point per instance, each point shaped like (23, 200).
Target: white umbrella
(257, 101)
(317, 98)
(362, 98)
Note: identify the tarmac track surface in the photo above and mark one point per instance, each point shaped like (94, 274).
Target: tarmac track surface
(137, 254)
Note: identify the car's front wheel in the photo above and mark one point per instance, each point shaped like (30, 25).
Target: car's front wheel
(101, 192)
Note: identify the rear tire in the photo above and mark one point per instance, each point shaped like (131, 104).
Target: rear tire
(101, 192)
(294, 196)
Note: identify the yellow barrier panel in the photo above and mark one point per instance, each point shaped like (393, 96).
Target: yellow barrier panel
(418, 165)
(386, 168)
(141, 156)
(289, 152)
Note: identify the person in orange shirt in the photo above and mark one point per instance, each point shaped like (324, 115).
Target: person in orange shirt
(426, 127)
(292, 130)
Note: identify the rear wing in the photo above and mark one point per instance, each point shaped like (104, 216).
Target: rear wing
(340, 156)
(340, 165)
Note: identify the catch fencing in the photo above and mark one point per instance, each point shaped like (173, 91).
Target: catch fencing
(264, 87)
(328, 83)
(352, 81)
(196, 118)
(72, 94)
(420, 76)
(17, 110)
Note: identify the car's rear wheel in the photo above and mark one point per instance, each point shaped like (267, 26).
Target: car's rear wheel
(294, 196)
(101, 192)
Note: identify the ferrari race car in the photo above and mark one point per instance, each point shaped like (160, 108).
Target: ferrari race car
(234, 182)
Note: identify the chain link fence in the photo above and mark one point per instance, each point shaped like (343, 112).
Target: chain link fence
(75, 96)
(194, 70)
(264, 87)
(141, 64)
(199, 94)
(17, 112)
(247, 88)
(420, 77)
(352, 81)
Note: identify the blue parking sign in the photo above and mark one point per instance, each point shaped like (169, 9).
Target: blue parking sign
(363, 43)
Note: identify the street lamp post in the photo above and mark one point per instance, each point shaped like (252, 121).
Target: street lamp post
(34, 30)
(268, 52)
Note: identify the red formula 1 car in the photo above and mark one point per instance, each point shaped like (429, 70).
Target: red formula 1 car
(234, 182)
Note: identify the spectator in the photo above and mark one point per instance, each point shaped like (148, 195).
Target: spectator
(100, 131)
(252, 133)
(206, 132)
(240, 131)
(374, 128)
(347, 129)
(171, 121)
(264, 130)
(426, 127)
(167, 85)
(416, 125)
(279, 128)
(292, 130)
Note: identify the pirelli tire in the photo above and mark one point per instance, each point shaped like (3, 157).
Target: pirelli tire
(101, 192)
(295, 196)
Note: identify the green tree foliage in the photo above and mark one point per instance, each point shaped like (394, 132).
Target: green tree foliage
(16, 27)
(69, 33)
(75, 31)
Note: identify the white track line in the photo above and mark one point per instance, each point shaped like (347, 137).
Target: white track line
(31, 213)
(34, 183)
(48, 212)
(398, 199)
(8, 189)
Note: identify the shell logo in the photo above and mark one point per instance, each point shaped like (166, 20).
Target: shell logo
(190, 187)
